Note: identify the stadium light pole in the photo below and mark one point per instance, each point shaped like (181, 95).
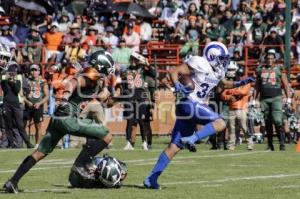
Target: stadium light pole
(287, 38)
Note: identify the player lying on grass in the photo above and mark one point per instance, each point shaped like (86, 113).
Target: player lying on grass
(89, 84)
(206, 72)
(104, 172)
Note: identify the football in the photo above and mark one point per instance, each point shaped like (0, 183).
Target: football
(186, 80)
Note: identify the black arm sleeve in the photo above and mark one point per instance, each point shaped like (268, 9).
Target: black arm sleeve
(15, 86)
(151, 72)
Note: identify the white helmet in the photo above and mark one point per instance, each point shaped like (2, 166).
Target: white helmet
(217, 55)
(5, 54)
(232, 69)
(141, 59)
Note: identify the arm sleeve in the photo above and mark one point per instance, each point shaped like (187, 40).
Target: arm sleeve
(15, 86)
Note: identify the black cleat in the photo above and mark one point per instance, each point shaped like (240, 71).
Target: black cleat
(191, 147)
(282, 148)
(30, 146)
(10, 187)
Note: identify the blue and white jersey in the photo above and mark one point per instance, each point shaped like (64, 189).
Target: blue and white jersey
(204, 78)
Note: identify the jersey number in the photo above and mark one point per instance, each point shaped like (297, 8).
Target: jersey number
(204, 89)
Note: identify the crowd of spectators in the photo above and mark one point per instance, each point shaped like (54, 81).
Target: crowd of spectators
(60, 43)
(76, 29)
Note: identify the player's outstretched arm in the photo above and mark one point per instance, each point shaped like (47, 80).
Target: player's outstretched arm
(183, 69)
(226, 84)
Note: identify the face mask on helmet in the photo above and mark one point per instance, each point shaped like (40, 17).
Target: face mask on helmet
(217, 55)
(102, 61)
(110, 172)
(232, 69)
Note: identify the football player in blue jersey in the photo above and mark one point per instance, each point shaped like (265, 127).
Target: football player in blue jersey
(206, 72)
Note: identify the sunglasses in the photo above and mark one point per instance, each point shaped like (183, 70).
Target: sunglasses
(34, 69)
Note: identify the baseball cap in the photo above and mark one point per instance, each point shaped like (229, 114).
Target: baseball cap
(273, 29)
(271, 51)
(109, 29)
(257, 16)
(34, 66)
(54, 24)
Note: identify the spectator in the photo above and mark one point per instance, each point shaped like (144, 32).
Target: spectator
(64, 22)
(90, 39)
(132, 38)
(35, 100)
(118, 29)
(69, 37)
(216, 32)
(296, 36)
(273, 39)
(121, 56)
(192, 37)
(228, 21)
(33, 46)
(180, 29)
(146, 30)
(136, 25)
(170, 15)
(53, 39)
(75, 52)
(245, 10)
(256, 35)
(7, 38)
(11, 104)
(237, 34)
(110, 39)
(192, 10)
(100, 45)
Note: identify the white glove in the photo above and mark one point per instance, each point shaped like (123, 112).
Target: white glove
(288, 100)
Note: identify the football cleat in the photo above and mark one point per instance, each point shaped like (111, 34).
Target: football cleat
(10, 187)
(150, 183)
(188, 144)
(128, 147)
(145, 146)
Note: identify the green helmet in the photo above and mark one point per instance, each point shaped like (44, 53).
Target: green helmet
(102, 61)
(110, 172)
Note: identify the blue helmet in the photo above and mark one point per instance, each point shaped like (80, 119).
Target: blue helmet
(217, 55)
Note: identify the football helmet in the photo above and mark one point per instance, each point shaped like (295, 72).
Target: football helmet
(232, 69)
(5, 54)
(110, 171)
(256, 115)
(140, 58)
(102, 61)
(217, 55)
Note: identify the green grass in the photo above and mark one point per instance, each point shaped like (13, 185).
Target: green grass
(206, 174)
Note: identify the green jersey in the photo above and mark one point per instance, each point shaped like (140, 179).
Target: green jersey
(36, 93)
(270, 80)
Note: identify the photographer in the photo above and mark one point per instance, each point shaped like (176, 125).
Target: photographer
(11, 105)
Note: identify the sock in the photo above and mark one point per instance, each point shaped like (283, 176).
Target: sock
(26, 165)
(207, 130)
(160, 166)
(92, 148)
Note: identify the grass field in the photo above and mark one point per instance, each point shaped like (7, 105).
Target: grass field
(238, 174)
